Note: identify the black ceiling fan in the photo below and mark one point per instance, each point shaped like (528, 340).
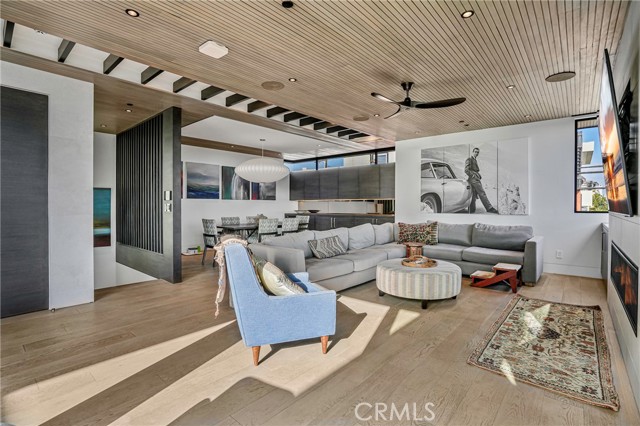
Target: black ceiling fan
(408, 103)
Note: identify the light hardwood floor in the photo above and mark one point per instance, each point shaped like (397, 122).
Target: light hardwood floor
(153, 353)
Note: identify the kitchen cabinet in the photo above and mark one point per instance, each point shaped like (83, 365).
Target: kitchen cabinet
(296, 186)
(344, 183)
(369, 182)
(324, 222)
(328, 184)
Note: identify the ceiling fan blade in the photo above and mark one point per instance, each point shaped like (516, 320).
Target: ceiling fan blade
(438, 104)
(383, 98)
(395, 114)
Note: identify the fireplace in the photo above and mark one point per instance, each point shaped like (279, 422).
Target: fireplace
(624, 275)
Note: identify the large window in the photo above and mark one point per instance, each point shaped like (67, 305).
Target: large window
(590, 190)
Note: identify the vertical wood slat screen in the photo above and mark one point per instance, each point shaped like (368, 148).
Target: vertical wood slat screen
(139, 186)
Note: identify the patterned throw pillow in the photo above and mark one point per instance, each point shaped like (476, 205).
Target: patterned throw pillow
(425, 233)
(327, 247)
(273, 280)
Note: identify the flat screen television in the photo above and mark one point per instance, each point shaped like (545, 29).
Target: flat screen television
(615, 173)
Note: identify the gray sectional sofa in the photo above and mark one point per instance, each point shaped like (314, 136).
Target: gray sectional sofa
(367, 246)
(479, 247)
(472, 247)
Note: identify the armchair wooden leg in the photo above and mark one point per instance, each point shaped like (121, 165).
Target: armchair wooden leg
(325, 342)
(256, 354)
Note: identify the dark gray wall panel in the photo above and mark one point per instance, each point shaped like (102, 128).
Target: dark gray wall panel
(24, 236)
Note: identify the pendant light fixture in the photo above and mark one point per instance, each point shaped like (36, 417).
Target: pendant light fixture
(263, 169)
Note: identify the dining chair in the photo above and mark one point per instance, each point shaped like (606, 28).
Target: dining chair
(252, 219)
(303, 222)
(289, 225)
(267, 227)
(209, 236)
(230, 220)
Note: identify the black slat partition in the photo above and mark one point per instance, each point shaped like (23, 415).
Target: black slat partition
(139, 186)
(147, 208)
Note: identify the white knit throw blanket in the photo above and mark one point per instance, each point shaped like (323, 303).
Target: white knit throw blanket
(222, 279)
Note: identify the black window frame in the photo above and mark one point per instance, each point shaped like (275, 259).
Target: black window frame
(576, 165)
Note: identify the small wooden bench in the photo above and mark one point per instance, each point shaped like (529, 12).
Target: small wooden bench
(507, 272)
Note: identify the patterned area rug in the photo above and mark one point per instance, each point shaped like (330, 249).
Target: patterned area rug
(558, 347)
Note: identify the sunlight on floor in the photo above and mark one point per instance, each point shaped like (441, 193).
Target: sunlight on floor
(506, 370)
(59, 394)
(403, 319)
(534, 320)
(294, 368)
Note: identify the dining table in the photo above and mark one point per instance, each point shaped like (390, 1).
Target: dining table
(244, 229)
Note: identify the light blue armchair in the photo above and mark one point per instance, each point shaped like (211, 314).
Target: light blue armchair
(264, 319)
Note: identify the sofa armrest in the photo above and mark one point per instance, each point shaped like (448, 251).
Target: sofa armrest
(533, 260)
(287, 259)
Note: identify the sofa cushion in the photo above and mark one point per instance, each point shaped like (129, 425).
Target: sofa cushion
(364, 258)
(323, 269)
(327, 247)
(501, 237)
(343, 233)
(361, 236)
(492, 256)
(393, 250)
(297, 240)
(444, 251)
(273, 280)
(454, 233)
(384, 233)
(426, 233)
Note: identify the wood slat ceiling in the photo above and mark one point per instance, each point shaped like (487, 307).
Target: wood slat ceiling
(340, 51)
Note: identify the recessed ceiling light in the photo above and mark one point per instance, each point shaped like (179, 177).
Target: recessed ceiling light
(232, 146)
(287, 4)
(361, 117)
(319, 145)
(272, 85)
(128, 110)
(417, 133)
(293, 80)
(561, 76)
(461, 121)
(527, 116)
(376, 115)
(103, 125)
(467, 14)
(213, 49)
(511, 86)
(133, 13)
(466, 125)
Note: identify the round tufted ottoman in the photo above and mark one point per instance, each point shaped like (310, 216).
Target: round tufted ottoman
(440, 282)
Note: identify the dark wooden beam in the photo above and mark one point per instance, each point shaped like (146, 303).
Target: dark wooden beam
(111, 63)
(210, 92)
(357, 135)
(309, 120)
(149, 74)
(293, 116)
(256, 106)
(322, 125)
(64, 49)
(272, 112)
(7, 37)
(335, 129)
(347, 132)
(235, 99)
(223, 146)
(182, 83)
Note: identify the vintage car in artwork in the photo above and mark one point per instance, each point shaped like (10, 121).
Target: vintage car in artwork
(441, 191)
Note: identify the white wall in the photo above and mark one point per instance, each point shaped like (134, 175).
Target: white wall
(70, 180)
(625, 231)
(194, 210)
(551, 185)
(108, 273)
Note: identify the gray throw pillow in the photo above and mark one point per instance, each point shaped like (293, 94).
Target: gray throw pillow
(327, 247)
